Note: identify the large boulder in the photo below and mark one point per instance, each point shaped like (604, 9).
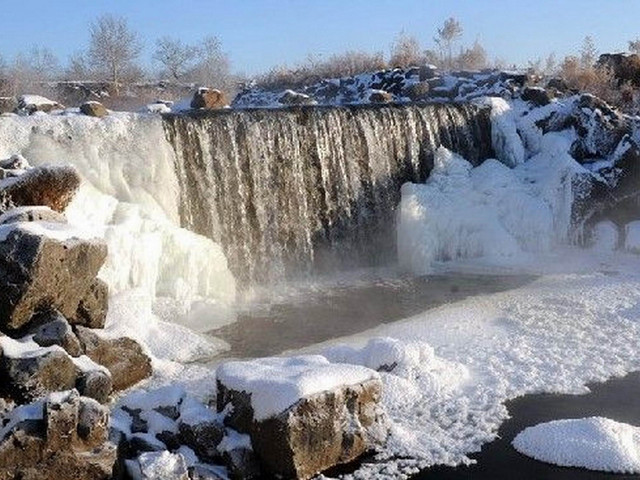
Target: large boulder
(92, 309)
(62, 437)
(625, 67)
(28, 375)
(123, 357)
(301, 419)
(93, 109)
(209, 99)
(42, 270)
(50, 186)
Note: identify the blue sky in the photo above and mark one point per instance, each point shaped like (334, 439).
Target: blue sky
(258, 34)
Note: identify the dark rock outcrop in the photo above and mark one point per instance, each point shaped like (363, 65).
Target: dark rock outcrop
(40, 273)
(536, 96)
(70, 441)
(625, 67)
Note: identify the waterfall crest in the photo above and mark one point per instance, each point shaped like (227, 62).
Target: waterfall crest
(290, 192)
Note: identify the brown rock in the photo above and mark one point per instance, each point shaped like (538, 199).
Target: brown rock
(51, 186)
(380, 96)
(625, 67)
(209, 99)
(70, 442)
(8, 104)
(27, 379)
(418, 91)
(92, 309)
(95, 384)
(536, 96)
(93, 109)
(54, 329)
(41, 273)
(316, 433)
(123, 357)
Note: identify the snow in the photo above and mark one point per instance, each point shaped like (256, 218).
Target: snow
(490, 211)
(275, 384)
(632, 237)
(85, 364)
(35, 100)
(162, 466)
(594, 443)
(24, 347)
(504, 135)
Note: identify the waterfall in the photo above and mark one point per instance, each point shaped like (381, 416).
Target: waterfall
(290, 192)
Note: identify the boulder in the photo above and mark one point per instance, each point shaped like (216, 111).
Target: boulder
(32, 214)
(40, 272)
(558, 84)
(54, 329)
(203, 438)
(30, 377)
(92, 309)
(418, 91)
(380, 96)
(625, 67)
(68, 439)
(208, 99)
(163, 466)
(50, 186)
(8, 104)
(318, 431)
(289, 97)
(93, 109)
(31, 104)
(242, 464)
(536, 96)
(123, 357)
(96, 384)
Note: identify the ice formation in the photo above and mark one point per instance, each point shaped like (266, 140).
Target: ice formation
(594, 443)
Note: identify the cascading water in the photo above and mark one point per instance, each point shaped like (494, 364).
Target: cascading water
(289, 192)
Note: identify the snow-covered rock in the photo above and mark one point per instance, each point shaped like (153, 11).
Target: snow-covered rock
(594, 443)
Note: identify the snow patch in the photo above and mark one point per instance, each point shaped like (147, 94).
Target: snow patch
(594, 443)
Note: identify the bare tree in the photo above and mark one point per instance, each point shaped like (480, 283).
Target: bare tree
(634, 46)
(175, 56)
(212, 66)
(30, 72)
(405, 51)
(78, 67)
(448, 34)
(114, 48)
(588, 53)
(474, 58)
(551, 64)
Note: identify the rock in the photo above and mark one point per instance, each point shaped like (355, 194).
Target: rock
(54, 329)
(96, 384)
(209, 99)
(625, 67)
(32, 214)
(123, 357)
(42, 273)
(427, 72)
(242, 464)
(93, 109)
(380, 96)
(203, 438)
(15, 162)
(205, 472)
(69, 441)
(316, 433)
(29, 378)
(163, 466)
(289, 97)
(92, 309)
(31, 104)
(8, 104)
(50, 186)
(418, 91)
(558, 84)
(536, 96)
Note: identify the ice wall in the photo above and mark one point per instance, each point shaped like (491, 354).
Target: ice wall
(130, 196)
